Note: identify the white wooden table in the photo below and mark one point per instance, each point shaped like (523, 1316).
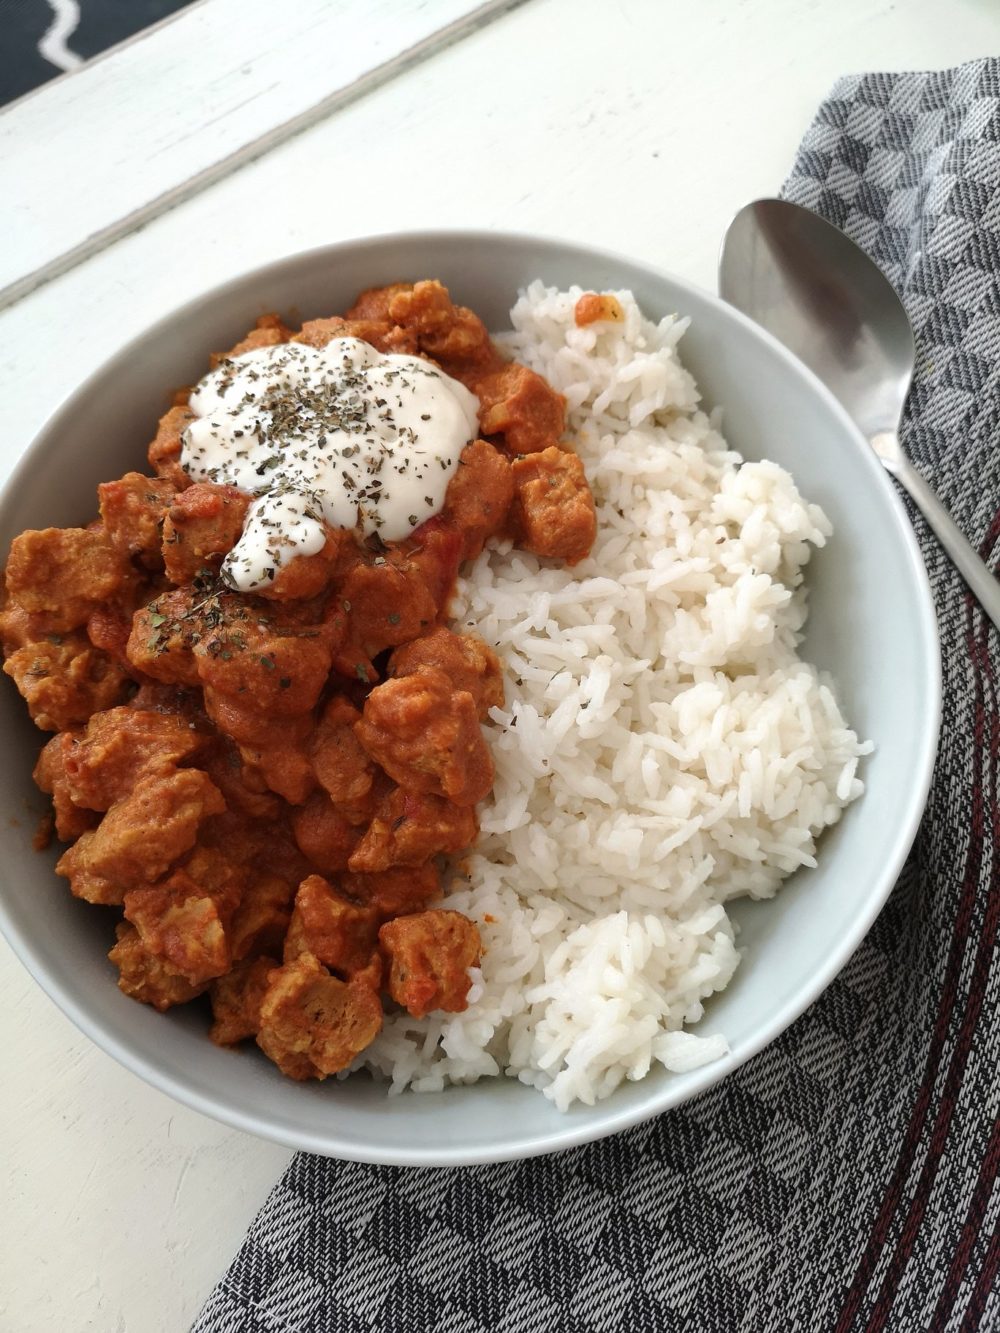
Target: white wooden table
(639, 125)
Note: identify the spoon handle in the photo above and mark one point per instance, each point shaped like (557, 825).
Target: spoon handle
(983, 584)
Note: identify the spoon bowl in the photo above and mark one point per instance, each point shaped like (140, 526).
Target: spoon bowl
(809, 285)
(819, 293)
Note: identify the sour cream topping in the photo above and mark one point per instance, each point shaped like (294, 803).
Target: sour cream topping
(342, 433)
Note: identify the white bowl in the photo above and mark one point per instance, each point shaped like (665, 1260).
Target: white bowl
(872, 625)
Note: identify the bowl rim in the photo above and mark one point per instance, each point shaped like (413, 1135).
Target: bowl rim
(607, 1120)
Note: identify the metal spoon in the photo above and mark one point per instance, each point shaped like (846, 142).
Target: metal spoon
(807, 283)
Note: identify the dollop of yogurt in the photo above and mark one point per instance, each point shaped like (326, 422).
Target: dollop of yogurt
(343, 434)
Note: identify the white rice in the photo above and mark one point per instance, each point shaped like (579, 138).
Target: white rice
(662, 748)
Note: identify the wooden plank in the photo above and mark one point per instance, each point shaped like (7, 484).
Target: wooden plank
(89, 158)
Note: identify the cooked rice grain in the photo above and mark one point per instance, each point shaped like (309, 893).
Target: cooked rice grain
(662, 749)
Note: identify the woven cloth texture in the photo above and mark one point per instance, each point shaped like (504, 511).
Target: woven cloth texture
(846, 1178)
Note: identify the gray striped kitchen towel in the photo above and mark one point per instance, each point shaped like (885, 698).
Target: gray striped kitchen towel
(846, 1178)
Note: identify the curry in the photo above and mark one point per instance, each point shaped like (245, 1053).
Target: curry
(263, 753)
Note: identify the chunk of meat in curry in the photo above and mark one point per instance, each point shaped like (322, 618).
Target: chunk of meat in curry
(429, 956)
(467, 662)
(426, 736)
(312, 1024)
